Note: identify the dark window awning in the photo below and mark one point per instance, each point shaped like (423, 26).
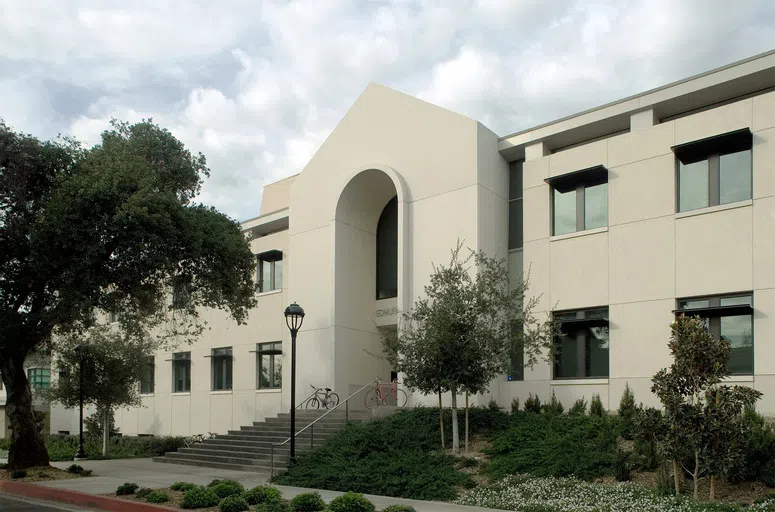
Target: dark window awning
(714, 311)
(575, 323)
(731, 142)
(598, 173)
(273, 255)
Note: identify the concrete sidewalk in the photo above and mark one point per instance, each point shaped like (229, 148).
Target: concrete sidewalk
(109, 474)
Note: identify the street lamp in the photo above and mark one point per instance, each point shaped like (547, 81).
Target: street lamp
(81, 453)
(294, 316)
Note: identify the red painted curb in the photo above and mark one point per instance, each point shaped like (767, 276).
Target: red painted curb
(78, 499)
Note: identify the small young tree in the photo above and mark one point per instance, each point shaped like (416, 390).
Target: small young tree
(465, 331)
(627, 411)
(113, 364)
(703, 417)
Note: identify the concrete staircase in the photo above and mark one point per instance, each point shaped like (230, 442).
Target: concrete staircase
(249, 448)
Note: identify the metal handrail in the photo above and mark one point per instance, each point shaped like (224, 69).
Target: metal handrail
(306, 400)
(346, 402)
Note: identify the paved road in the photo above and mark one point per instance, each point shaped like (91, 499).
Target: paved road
(9, 504)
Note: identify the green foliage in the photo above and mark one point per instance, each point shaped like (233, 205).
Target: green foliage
(350, 502)
(649, 428)
(158, 497)
(19, 473)
(143, 492)
(759, 448)
(308, 502)
(553, 406)
(493, 405)
(62, 448)
(366, 457)
(226, 488)
(579, 408)
(126, 488)
(94, 423)
(399, 508)
(554, 445)
(627, 411)
(533, 404)
(200, 497)
(767, 474)
(515, 404)
(262, 494)
(275, 506)
(183, 486)
(622, 467)
(664, 480)
(596, 406)
(234, 503)
(468, 462)
(75, 469)
(5, 443)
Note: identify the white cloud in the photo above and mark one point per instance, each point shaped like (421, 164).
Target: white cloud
(258, 86)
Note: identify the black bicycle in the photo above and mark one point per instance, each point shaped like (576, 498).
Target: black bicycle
(323, 397)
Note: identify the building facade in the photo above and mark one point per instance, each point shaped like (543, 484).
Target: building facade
(623, 215)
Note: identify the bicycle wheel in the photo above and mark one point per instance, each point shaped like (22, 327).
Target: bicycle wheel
(332, 400)
(313, 403)
(401, 398)
(371, 400)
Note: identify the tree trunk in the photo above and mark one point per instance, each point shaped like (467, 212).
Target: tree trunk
(466, 421)
(696, 474)
(455, 434)
(712, 487)
(441, 420)
(677, 477)
(27, 446)
(106, 432)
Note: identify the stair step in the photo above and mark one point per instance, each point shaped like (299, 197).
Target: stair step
(215, 458)
(216, 465)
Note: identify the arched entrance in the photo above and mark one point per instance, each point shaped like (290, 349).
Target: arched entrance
(368, 273)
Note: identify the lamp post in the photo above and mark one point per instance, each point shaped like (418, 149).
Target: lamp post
(81, 453)
(294, 316)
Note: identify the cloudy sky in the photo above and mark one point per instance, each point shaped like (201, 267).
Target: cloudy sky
(258, 85)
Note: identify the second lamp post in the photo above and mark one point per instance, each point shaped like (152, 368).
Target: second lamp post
(294, 316)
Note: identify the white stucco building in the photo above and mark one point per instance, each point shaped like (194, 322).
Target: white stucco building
(624, 213)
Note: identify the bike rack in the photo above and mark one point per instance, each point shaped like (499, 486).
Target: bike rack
(311, 426)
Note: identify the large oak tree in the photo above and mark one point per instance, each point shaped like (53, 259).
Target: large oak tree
(109, 228)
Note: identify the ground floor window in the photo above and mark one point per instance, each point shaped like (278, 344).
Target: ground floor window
(181, 372)
(269, 363)
(147, 381)
(221, 368)
(582, 348)
(40, 378)
(728, 317)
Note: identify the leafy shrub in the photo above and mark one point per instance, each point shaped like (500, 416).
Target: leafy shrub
(75, 469)
(579, 407)
(3, 466)
(214, 482)
(5, 443)
(366, 458)
(493, 405)
(664, 483)
(622, 468)
(767, 474)
(596, 406)
(143, 492)
(93, 424)
(533, 404)
(200, 497)
(399, 508)
(554, 445)
(61, 448)
(234, 504)
(308, 502)
(41, 474)
(553, 406)
(19, 473)
(226, 488)
(157, 497)
(126, 488)
(274, 506)
(87, 472)
(759, 450)
(262, 494)
(514, 408)
(183, 486)
(350, 502)
(645, 454)
(468, 462)
(627, 411)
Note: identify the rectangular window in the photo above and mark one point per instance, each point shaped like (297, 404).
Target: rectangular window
(515, 205)
(114, 317)
(270, 271)
(579, 200)
(181, 372)
(269, 365)
(180, 296)
(40, 378)
(714, 171)
(582, 348)
(221, 368)
(147, 381)
(728, 317)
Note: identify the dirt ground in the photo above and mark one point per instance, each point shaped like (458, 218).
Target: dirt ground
(40, 474)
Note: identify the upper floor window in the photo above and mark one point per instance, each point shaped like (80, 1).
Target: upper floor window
(114, 317)
(180, 295)
(579, 200)
(269, 363)
(387, 251)
(714, 171)
(515, 205)
(148, 379)
(181, 372)
(221, 368)
(270, 271)
(582, 348)
(40, 378)
(728, 317)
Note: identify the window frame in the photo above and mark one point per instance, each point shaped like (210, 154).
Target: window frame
(224, 356)
(578, 181)
(182, 360)
(32, 377)
(270, 257)
(714, 312)
(150, 364)
(579, 320)
(271, 350)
